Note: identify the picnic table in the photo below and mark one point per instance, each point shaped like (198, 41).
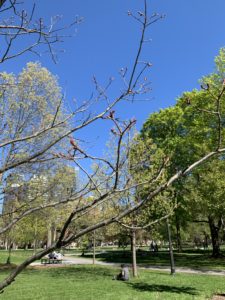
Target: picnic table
(46, 260)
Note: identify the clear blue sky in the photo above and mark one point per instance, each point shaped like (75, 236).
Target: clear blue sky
(182, 50)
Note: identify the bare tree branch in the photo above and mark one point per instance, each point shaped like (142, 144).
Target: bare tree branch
(22, 25)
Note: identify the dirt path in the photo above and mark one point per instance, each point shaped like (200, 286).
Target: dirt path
(218, 297)
(77, 260)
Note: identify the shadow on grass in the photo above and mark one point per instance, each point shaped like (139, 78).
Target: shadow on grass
(144, 287)
(196, 259)
(81, 272)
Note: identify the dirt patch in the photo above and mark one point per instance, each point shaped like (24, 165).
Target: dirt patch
(7, 266)
(219, 297)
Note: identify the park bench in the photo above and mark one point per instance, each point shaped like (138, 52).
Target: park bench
(46, 260)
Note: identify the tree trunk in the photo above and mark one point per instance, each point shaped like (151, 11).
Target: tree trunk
(35, 236)
(54, 234)
(8, 261)
(49, 237)
(172, 264)
(94, 247)
(214, 230)
(134, 257)
(6, 243)
(178, 235)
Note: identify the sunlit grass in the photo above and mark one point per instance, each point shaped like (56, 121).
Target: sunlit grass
(95, 283)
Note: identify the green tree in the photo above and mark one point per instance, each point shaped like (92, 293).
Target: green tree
(39, 227)
(205, 199)
(32, 119)
(188, 130)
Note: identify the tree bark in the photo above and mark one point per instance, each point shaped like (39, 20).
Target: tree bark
(178, 235)
(35, 236)
(49, 236)
(172, 264)
(134, 257)
(54, 233)
(214, 230)
(94, 239)
(8, 261)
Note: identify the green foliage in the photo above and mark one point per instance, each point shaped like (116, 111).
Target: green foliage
(205, 193)
(38, 191)
(184, 133)
(188, 130)
(28, 106)
(146, 162)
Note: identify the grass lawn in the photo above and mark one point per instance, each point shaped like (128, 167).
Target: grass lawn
(95, 283)
(17, 256)
(196, 259)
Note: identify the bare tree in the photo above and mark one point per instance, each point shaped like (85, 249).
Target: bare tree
(33, 34)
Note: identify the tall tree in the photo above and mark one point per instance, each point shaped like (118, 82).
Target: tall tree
(189, 129)
(205, 199)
